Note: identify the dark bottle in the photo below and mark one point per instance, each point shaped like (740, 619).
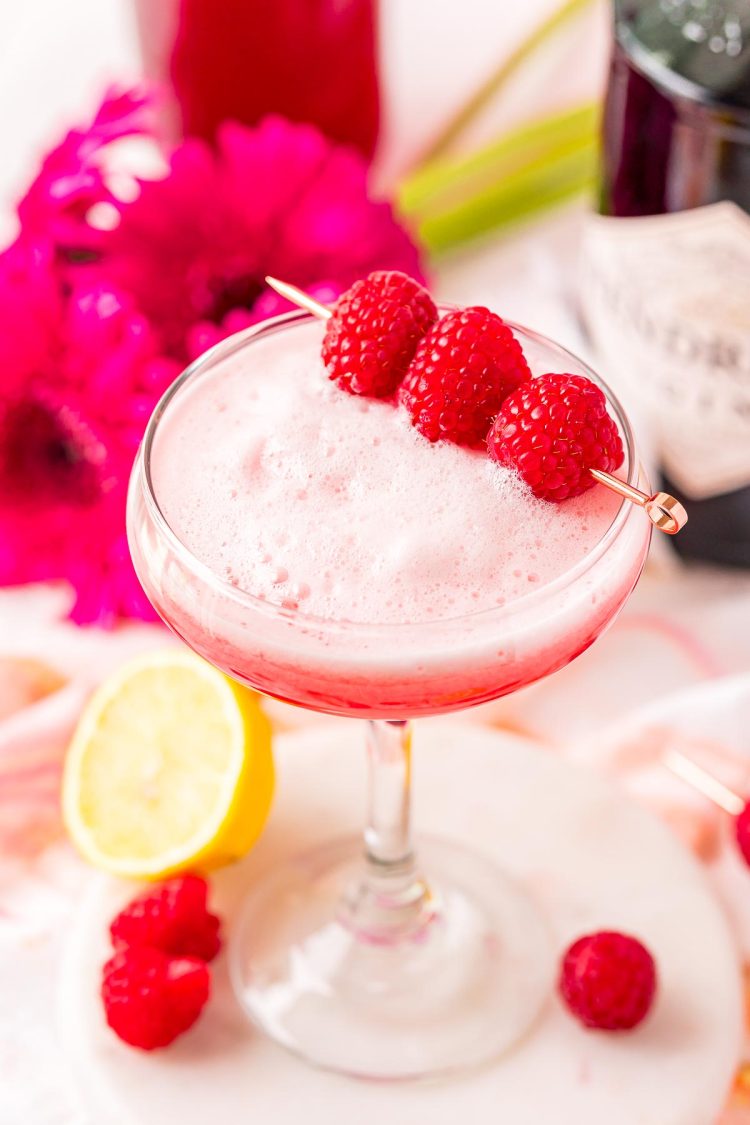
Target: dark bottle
(666, 265)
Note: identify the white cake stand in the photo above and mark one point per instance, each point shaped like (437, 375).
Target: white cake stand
(593, 858)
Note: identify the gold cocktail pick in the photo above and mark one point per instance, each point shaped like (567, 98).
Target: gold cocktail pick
(664, 511)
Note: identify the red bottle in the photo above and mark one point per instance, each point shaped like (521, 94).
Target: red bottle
(309, 60)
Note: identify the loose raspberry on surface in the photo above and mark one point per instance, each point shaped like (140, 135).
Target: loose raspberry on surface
(150, 999)
(742, 832)
(553, 430)
(172, 917)
(608, 981)
(374, 330)
(462, 371)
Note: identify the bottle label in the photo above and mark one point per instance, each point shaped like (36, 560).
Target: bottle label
(667, 302)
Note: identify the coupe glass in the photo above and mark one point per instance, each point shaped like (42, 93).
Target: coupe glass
(367, 956)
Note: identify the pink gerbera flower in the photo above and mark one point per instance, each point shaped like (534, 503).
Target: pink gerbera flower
(74, 176)
(193, 246)
(78, 379)
(114, 272)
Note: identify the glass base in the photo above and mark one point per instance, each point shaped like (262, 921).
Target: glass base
(378, 973)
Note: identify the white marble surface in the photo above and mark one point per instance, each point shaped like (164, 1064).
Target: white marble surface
(590, 857)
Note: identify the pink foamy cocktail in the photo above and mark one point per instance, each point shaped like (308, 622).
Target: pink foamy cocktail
(313, 544)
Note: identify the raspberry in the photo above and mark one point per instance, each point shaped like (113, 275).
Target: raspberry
(150, 999)
(742, 831)
(173, 918)
(462, 371)
(553, 430)
(374, 331)
(608, 980)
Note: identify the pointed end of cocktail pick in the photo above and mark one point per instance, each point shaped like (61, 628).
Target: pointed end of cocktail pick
(299, 297)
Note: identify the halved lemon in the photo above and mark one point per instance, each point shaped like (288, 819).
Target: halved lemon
(169, 768)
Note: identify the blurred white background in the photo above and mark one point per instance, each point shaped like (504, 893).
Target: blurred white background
(57, 57)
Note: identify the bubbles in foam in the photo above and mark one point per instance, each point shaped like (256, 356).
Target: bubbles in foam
(314, 496)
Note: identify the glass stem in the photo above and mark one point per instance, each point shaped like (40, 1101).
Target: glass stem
(388, 840)
(391, 902)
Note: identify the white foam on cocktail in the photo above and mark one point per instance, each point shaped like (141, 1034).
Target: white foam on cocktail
(302, 494)
(305, 495)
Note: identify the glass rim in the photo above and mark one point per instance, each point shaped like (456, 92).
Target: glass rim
(243, 598)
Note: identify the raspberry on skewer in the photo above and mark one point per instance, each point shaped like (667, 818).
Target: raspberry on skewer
(665, 512)
(463, 370)
(554, 430)
(374, 330)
